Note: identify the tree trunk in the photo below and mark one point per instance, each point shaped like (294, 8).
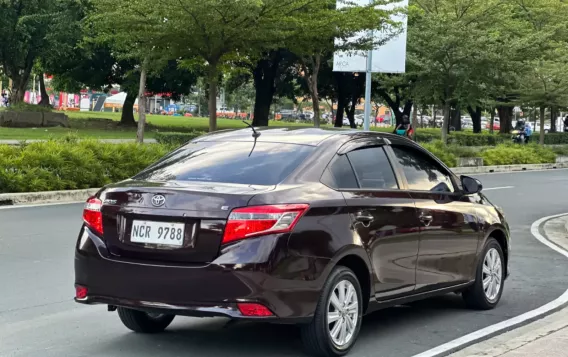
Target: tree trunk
(407, 110)
(456, 118)
(142, 103)
(506, 119)
(446, 123)
(350, 111)
(475, 118)
(492, 121)
(264, 75)
(339, 115)
(18, 89)
(434, 116)
(553, 115)
(314, 90)
(340, 83)
(542, 113)
(127, 116)
(414, 122)
(44, 102)
(212, 79)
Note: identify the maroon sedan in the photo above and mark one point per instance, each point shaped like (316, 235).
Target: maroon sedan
(311, 227)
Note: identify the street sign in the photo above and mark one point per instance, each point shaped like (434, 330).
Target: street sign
(388, 58)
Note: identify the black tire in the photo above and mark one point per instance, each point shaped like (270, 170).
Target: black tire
(474, 296)
(315, 335)
(142, 322)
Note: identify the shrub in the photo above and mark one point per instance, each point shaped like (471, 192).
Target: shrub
(552, 138)
(442, 152)
(482, 139)
(560, 150)
(176, 139)
(518, 154)
(68, 164)
(25, 107)
(461, 138)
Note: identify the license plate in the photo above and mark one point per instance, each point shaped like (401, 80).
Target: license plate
(161, 233)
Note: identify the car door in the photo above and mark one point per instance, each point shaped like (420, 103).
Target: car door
(384, 216)
(449, 234)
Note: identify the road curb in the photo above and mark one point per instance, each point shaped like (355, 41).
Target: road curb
(15, 199)
(508, 168)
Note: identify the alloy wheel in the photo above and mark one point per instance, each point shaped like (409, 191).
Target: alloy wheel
(492, 275)
(343, 314)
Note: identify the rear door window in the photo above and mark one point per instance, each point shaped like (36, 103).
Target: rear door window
(373, 169)
(229, 162)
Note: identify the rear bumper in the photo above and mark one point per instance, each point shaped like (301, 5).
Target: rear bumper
(256, 270)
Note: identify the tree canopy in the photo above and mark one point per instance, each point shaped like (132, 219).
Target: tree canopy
(463, 55)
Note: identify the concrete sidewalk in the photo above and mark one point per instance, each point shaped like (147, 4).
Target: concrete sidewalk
(547, 337)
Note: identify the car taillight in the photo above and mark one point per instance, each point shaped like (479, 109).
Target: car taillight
(92, 214)
(254, 310)
(81, 292)
(260, 220)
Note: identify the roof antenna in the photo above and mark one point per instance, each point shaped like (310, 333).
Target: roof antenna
(255, 134)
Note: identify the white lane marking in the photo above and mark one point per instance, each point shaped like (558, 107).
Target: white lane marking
(41, 205)
(478, 336)
(498, 188)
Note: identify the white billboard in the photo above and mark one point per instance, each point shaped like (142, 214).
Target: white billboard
(388, 58)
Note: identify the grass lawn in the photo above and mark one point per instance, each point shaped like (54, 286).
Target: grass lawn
(90, 125)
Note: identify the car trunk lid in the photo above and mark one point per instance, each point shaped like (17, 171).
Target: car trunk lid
(170, 222)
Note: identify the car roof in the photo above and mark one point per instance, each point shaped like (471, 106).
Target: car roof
(299, 135)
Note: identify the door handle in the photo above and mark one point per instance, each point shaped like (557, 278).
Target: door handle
(364, 217)
(426, 219)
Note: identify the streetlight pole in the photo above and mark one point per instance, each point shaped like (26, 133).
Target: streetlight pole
(368, 81)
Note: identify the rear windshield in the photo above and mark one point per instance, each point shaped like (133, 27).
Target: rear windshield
(229, 162)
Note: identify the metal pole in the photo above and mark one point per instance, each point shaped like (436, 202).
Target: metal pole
(367, 124)
(368, 80)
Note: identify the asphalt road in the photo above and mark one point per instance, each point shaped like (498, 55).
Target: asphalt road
(38, 317)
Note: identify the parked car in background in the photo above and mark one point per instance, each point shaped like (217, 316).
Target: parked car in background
(359, 120)
(286, 114)
(467, 122)
(496, 124)
(295, 226)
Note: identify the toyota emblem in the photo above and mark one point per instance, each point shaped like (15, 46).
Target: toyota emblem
(158, 200)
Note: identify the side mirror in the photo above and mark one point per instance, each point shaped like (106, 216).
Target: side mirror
(470, 185)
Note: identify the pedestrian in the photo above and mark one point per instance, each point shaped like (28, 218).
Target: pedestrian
(405, 129)
(566, 124)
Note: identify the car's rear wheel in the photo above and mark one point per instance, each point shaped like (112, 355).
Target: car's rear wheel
(337, 320)
(487, 290)
(142, 322)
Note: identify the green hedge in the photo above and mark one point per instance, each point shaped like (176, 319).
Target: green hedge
(553, 138)
(68, 164)
(484, 139)
(505, 154)
(518, 154)
(25, 107)
(176, 139)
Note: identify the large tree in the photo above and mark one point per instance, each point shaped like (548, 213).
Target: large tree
(31, 29)
(457, 49)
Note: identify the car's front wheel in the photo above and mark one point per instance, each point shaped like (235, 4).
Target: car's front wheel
(142, 322)
(337, 320)
(486, 292)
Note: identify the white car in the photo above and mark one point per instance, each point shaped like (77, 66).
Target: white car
(359, 119)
